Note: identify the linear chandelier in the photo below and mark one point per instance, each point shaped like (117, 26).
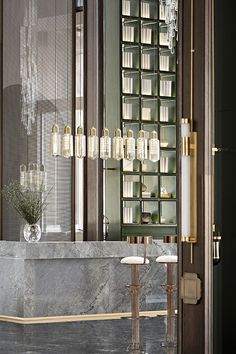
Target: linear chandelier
(105, 147)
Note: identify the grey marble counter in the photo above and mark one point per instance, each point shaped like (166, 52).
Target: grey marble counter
(57, 279)
(65, 250)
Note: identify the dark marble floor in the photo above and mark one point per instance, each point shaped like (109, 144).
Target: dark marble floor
(90, 337)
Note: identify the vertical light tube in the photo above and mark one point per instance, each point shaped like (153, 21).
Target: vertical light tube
(185, 179)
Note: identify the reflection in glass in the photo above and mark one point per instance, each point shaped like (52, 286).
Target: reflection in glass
(154, 147)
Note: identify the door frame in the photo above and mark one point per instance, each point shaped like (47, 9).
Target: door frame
(195, 334)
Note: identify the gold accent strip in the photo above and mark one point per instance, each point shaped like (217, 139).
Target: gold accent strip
(213, 112)
(191, 65)
(139, 239)
(185, 145)
(170, 239)
(188, 239)
(191, 252)
(77, 318)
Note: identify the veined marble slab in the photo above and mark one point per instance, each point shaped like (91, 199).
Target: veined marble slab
(72, 278)
(79, 249)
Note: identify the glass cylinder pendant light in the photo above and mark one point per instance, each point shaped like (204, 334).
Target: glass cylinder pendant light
(141, 146)
(31, 176)
(93, 144)
(130, 146)
(55, 143)
(80, 144)
(118, 146)
(23, 176)
(35, 177)
(105, 145)
(42, 179)
(154, 147)
(67, 142)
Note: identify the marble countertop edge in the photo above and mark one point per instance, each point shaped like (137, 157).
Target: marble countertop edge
(81, 250)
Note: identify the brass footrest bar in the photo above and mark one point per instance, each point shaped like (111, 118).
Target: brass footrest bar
(75, 318)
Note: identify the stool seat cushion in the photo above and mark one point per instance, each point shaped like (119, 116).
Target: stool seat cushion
(167, 259)
(134, 260)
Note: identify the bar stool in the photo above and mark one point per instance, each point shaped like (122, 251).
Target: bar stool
(170, 287)
(135, 262)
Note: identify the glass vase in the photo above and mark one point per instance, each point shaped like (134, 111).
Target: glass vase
(32, 232)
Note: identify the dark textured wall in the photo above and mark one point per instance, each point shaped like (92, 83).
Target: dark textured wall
(224, 273)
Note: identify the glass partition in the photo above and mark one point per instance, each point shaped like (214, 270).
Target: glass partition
(139, 94)
(36, 93)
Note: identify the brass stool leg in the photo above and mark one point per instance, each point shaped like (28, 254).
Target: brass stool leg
(135, 346)
(135, 291)
(170, 291)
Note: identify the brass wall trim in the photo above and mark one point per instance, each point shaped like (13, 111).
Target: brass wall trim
(188, 239)
(185, 146)
(139, 239)
(77, 318)
(190, 288)
(170, 239)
